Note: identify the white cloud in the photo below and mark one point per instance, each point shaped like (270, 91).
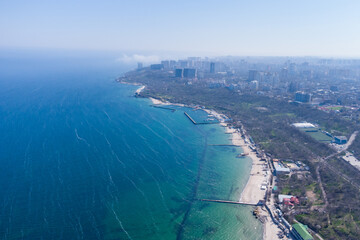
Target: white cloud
(139, 58)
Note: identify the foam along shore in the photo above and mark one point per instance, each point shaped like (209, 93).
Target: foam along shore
(259, 175)
(254, 189)
(157, 101)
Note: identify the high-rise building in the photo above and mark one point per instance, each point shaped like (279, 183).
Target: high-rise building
(189, 72)
(179, 72)
(292, 68)
(212, 67)
(302, 97)
(172, 64)
(156, 66)
(166, 64)
(253, 75)
(293, 87)
(284, 75)
(140, 65)
(184, 63)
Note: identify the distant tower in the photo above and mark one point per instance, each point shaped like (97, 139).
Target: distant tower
(179, 72)
(140, 65)
(172, 63)
(302, 97)
(293, 87)
(166, 64)
(189, 73)
(253, 75)
(184, 63)
(212, 67)
(292, 68)
(284, 75)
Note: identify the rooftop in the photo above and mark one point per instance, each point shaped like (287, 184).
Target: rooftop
(303, 125)
(282, 196)
(302, 231)
(281, 168)
(341, 137)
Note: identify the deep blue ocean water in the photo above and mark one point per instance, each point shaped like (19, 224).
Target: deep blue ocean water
(81, 158)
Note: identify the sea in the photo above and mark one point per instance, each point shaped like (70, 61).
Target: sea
(82, 158)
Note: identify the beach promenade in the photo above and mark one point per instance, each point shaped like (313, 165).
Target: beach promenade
(259, 176)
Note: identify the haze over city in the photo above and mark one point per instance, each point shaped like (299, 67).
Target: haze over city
(256, 28)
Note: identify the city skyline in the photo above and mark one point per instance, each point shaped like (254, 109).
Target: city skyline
(262, 28)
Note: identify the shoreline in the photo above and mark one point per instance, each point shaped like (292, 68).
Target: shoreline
(259, 174)
(252, 192)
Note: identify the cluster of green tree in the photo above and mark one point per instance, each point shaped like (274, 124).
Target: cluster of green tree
(341, 218)
(344, 208)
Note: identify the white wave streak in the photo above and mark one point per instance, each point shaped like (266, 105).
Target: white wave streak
(152, 161)
(171, 133)
(136, 187)
(111, 148)
(120, 223)
(157, 184)
(110, 178)
(94, 225)
(146, 201)
(107, 115)
(80, 138)
(156, 134)
(81, 231)
(113, 152)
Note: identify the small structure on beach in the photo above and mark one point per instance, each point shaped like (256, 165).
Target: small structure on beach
(288, 200)
(300, 232)
(340, 139)
(282, 196)
(291, 201)
(280, 169)
(303, 125)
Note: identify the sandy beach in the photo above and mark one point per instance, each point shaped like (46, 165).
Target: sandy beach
(139, 90)
(252, 192)
(157, 101)
(259, 174)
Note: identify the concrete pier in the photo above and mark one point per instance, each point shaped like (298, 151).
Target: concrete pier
(224, 145)
(196, 123)
(166, 108)
(226, 201)
(192, 120)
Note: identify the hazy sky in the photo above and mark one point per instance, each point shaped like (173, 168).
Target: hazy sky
(226, 27)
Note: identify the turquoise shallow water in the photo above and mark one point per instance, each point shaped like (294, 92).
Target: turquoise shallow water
(81, 158)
